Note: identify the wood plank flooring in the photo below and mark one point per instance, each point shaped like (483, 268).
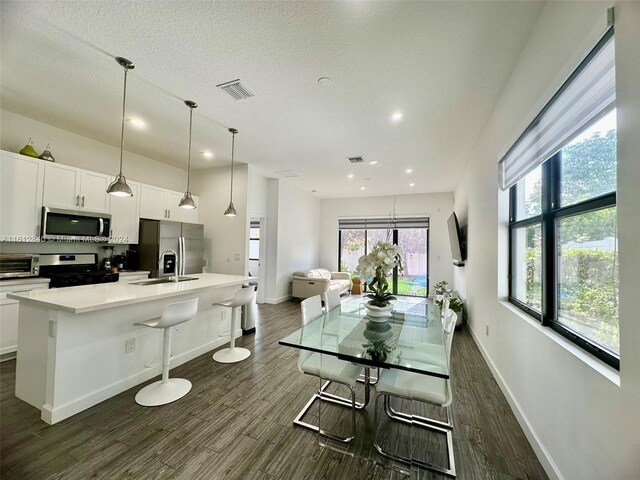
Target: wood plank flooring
(236, 423)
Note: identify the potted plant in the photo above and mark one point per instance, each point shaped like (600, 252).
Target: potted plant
(376, 266)
(377, 349)
(455, 303)
(356, 284)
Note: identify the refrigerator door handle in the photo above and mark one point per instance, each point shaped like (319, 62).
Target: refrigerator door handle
(182, 256)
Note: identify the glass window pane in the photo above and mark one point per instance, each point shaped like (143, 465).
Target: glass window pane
(413, 281)
(529, 195)
(377, 235)
(352, 242)
(527, 266)
(254, 249)
(588, 166)
(254, 232)
(588, 276)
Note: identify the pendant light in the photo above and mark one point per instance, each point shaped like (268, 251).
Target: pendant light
(231, 210)
(187, 201)
(119, 186)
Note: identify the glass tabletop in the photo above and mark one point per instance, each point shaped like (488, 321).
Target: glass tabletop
(412, 338)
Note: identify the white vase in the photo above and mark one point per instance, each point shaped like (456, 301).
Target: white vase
(378, 314)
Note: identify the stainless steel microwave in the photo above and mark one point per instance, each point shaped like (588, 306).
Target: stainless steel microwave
(75, 226)
(14, 265)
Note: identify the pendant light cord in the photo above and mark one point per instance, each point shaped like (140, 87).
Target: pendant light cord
(233, 145)
(124, 100)
(189, 162)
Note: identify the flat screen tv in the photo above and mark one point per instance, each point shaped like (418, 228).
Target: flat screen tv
(457, 240)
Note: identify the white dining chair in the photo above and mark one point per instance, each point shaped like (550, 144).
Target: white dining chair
(331, 299)
(234, 354)
(423, 388)
(330, 368)
(167, 389)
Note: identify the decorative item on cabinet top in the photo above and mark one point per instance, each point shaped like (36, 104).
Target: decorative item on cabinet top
(46, 155)
(28, 150)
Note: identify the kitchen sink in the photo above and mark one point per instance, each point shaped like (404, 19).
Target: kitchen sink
(159, 281)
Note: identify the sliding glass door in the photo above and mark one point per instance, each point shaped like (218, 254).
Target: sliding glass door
(357, 238)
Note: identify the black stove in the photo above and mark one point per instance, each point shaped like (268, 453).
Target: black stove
(70, 270)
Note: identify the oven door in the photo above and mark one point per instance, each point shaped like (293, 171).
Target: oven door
(18, 265)
(71, 225)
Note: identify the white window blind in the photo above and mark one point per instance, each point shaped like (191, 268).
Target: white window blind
(381, 223)
(587, 95)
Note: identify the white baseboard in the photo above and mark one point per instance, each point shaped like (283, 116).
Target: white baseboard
(51, 415)
(275, 301)
(541, 452)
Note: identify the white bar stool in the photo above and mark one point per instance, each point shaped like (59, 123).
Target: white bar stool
(168, 389)
(234, 354)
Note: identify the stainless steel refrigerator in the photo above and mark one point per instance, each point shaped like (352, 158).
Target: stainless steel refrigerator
(186, 239)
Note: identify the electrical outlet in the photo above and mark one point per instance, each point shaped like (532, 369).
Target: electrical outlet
(130, 345)
(486, 330)
(52, 329)
(236, 256)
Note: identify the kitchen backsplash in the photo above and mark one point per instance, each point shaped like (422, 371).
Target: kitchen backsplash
(60, 247)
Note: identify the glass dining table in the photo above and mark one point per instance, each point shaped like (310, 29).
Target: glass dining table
(412, 339)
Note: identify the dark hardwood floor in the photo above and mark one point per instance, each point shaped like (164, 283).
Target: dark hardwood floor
(236, 423)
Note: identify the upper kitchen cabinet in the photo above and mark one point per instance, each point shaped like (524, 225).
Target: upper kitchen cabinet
(75, 189)
(125, 216)
(21, 185)
(161, 204)
(152, 202)
(93, 190)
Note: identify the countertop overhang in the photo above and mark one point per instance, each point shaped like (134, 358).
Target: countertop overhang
(89, 298)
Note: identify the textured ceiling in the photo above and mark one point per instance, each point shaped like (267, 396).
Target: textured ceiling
(442, 64)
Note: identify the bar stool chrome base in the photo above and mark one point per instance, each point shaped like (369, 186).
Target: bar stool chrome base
(231, 355)
(161, 393)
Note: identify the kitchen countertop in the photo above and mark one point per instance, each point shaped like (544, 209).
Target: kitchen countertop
(10, 282)
(88, 298)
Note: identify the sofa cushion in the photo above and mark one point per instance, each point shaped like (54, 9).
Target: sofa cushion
(307, 274)
(324, 273)
(341, 284)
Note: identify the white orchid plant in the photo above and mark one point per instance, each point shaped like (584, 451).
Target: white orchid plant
(375, 267)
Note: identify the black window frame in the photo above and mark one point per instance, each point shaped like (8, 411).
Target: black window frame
(552, 211)
(394, 241)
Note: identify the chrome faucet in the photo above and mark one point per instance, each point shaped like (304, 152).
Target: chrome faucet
(176, 266)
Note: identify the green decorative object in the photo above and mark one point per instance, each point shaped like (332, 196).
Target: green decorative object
(28, 150)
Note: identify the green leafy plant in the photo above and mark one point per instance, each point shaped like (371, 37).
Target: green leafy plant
(377, 349)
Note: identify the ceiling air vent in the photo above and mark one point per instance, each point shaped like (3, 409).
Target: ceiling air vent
(356, 159)
(287, 173)
(236, 89)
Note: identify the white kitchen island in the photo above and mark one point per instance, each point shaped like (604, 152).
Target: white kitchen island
(77, 346)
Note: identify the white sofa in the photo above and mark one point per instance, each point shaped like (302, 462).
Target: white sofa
(308, 283)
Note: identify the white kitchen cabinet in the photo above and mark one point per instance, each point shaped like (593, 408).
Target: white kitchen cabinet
(21, 187)
(75, 189)
(10, 311)
(93, 191)
(125, 216)
(174, 212)
(61, 186)
(161, 204)
(152, 202)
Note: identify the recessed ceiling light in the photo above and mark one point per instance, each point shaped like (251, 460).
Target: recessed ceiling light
(207, 154)
(396, 117)
(409, 170)
(324, 81)
(137, 122)
(350, 175)
(373, 162)
(362, 188)
(412, 184)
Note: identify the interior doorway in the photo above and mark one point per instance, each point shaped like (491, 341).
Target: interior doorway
(257, 254)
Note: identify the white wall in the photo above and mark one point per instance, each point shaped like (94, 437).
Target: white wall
(437, 206)
(293, 231)
(226, 238)
(82, 152)
(582, 424)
